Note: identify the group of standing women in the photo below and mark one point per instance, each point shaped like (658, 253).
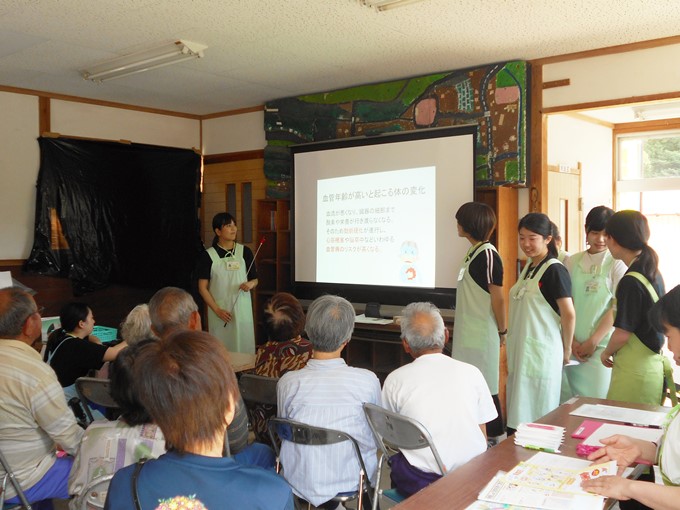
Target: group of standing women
(574, 329)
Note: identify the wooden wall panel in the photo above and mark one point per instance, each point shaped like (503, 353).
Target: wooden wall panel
(216, 177)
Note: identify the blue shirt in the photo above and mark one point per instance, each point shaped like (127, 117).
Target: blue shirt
(218, 483)
(328, 393)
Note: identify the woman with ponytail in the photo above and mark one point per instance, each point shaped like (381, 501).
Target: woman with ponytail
(541, 327)
(634, 348)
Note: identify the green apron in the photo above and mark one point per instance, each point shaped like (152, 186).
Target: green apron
(226, 276)
(475, 332)
(669, 419)
(535, 351)
(638, 372)
(592, 298)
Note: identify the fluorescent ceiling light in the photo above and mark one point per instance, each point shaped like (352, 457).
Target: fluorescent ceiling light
(384, 5)
(657, 111)
(172, 53)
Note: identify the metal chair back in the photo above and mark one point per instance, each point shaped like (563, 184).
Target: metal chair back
(394, 432)
(94, 494)
(303, 434)
(9, 476)
(92, 390)
(258, 389)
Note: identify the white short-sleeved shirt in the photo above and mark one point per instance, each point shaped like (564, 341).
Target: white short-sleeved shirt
(618, 268)
(450, 399)
(670, 460)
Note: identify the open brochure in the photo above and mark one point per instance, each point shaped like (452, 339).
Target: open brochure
(547, 481)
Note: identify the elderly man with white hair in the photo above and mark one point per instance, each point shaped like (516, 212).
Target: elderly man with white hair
(328, 393)
(449, 397)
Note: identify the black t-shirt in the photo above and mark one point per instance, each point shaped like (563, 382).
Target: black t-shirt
(487, 269)
(73, 357)
(554, 284)
(632, 306)
(205, 262)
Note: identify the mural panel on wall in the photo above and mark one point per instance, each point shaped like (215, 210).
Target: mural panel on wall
(494, 97)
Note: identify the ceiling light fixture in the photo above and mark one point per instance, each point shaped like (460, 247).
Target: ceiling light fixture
(384, 5)
(171, 53)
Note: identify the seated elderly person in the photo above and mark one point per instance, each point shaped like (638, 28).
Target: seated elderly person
(137, 325)
(328, 393)
(285, 350)
(172, 309)
(110, 445)
(34, 418)
(448, 397)
(188, 387)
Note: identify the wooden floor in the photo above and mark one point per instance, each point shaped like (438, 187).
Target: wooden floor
(109, 305)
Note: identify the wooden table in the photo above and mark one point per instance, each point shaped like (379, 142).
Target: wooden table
(461, 488)
(241, 361)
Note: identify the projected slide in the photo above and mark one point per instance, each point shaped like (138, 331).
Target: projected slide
(377, 228)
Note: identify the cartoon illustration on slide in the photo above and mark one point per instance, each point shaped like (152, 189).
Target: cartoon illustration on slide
(408, 253)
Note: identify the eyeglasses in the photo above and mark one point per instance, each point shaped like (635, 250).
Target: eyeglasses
(40, 311)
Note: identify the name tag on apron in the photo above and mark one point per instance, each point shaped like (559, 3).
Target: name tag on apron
(521, 292)
(592, 286)
(233, 265)
(461, 273)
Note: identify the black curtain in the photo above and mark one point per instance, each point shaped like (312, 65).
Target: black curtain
(129, 213)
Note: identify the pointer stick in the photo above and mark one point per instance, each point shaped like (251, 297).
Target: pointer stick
(262, 240)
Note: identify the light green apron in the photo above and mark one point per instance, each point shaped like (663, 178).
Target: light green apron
(638, 372)
(669, 419)
(226, 276)
(592, 298)
(535, 351)
(475, 332)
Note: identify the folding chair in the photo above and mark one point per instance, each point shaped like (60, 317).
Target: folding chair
(301, 433)
(94, 494)
(257, 391)
(92, 390)
(9, 475)
(394, 432)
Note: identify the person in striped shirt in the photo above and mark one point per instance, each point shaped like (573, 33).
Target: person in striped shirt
(34, 417)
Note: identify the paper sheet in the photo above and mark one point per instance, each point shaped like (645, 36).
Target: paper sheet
(621, 414)
(609, 429)
(5, 279)
(371, 320)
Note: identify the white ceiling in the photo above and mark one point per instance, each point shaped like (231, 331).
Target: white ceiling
(260, 50)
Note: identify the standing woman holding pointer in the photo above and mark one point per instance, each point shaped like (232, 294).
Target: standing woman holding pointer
(226, 275)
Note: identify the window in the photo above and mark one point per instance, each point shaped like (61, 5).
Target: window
(648, 170)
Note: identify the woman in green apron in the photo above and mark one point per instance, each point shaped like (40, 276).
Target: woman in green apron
(634, 348)
(541, 325)
(226, 275)
(594, 277)
(480, 325)
(664, 316)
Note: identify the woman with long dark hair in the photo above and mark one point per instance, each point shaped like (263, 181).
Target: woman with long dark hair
(664, 317)
(541, 325)
(594, 277)
(634, 348)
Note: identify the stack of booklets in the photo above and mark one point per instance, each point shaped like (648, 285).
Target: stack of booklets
(538, 436)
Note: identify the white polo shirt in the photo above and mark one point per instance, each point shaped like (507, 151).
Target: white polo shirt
(450, 399)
